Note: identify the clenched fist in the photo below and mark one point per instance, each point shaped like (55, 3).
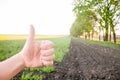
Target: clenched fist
(37, 53)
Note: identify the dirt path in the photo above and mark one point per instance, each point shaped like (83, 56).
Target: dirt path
(87, 61)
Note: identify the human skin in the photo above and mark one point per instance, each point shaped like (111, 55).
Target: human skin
(34, 54)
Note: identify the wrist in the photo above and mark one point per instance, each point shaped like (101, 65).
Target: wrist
(21, 59)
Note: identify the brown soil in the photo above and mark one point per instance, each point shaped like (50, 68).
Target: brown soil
(87, 61)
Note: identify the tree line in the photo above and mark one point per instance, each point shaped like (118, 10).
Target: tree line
(93, 16)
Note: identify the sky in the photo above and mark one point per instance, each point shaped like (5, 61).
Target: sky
(49, 17)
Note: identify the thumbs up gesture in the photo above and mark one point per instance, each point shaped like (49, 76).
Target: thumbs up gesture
(37, 53)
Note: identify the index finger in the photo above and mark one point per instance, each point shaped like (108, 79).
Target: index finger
(44, 45)
(48, 52)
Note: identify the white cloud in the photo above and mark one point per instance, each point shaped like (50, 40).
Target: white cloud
(48, 16)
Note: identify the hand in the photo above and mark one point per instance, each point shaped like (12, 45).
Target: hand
(37, 53)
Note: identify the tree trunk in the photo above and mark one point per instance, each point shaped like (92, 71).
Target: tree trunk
(85, 35)
(113, 30)
(114, 34)
(103, 34)
(114, 37)
(110, 35)
(99, 37)
(106, 35)
(89, 35)
(99, 34)
(92, 36)
(107, 31)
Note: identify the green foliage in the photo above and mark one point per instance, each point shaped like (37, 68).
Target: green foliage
(76, 29)
(30, 76)
(9, 48)
(47, 69)
(84, 22)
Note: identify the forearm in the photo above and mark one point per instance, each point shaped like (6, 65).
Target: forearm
(11, 67)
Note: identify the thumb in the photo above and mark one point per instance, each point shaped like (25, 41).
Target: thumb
(31, 34)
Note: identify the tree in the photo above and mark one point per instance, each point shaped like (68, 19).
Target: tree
(114, 16)
(76, 30)
(108, 10)
(84, 24)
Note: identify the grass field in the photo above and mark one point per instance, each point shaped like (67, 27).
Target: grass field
(10, 47)
(105, 43)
